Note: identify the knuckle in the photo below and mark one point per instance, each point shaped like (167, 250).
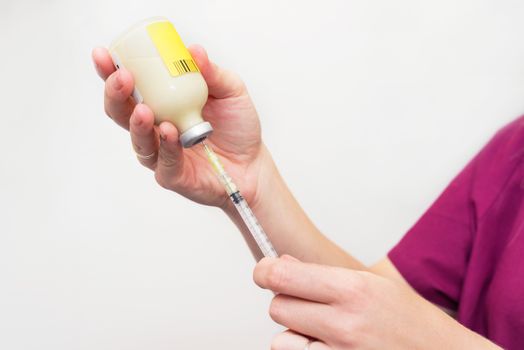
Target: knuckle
(360, 282)
(167, 157)
(351, 334)
(114, 93)
(344, 332)
(168, 161)
(334, 330)
(356, 286)
(352, 288)
(113, 96)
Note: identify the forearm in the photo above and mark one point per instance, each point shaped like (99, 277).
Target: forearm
(286, 224)
(476, 341)
(448, 333)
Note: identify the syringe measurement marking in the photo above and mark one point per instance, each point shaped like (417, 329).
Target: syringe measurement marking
(241, 205)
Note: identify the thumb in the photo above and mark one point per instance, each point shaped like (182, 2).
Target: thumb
(221, 83)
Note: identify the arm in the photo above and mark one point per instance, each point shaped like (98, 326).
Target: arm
(236, 122)
(237, 141)
(347, 309)
(287, 225)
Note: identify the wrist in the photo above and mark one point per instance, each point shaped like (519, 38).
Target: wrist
(262, 189)
(457, 336)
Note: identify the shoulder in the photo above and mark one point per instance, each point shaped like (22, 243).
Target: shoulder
(494, 165)
(508, 141)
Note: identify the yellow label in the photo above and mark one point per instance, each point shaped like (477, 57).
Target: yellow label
(176, 57)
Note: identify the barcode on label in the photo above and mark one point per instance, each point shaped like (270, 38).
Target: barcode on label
(185, 66)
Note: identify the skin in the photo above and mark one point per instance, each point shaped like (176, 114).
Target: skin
(326, 294)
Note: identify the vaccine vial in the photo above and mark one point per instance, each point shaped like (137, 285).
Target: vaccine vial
(166, 77)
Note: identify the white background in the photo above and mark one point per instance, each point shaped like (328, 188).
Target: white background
(369, 108)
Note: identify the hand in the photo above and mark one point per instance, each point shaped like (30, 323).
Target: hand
(236, 137)
(348, 309)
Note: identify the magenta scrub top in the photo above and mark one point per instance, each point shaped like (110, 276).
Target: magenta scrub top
(466, 253)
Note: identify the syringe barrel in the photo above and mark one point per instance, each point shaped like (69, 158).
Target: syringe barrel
(241, 205)
(256, 230)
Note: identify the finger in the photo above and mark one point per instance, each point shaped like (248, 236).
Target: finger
(118, 102)
(170, 156)
(103, 63)
(221, 83)
(144, 136)
(290, 340)
(325, 284)
(306, 317)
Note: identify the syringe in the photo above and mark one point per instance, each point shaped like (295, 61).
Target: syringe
(241, 205)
